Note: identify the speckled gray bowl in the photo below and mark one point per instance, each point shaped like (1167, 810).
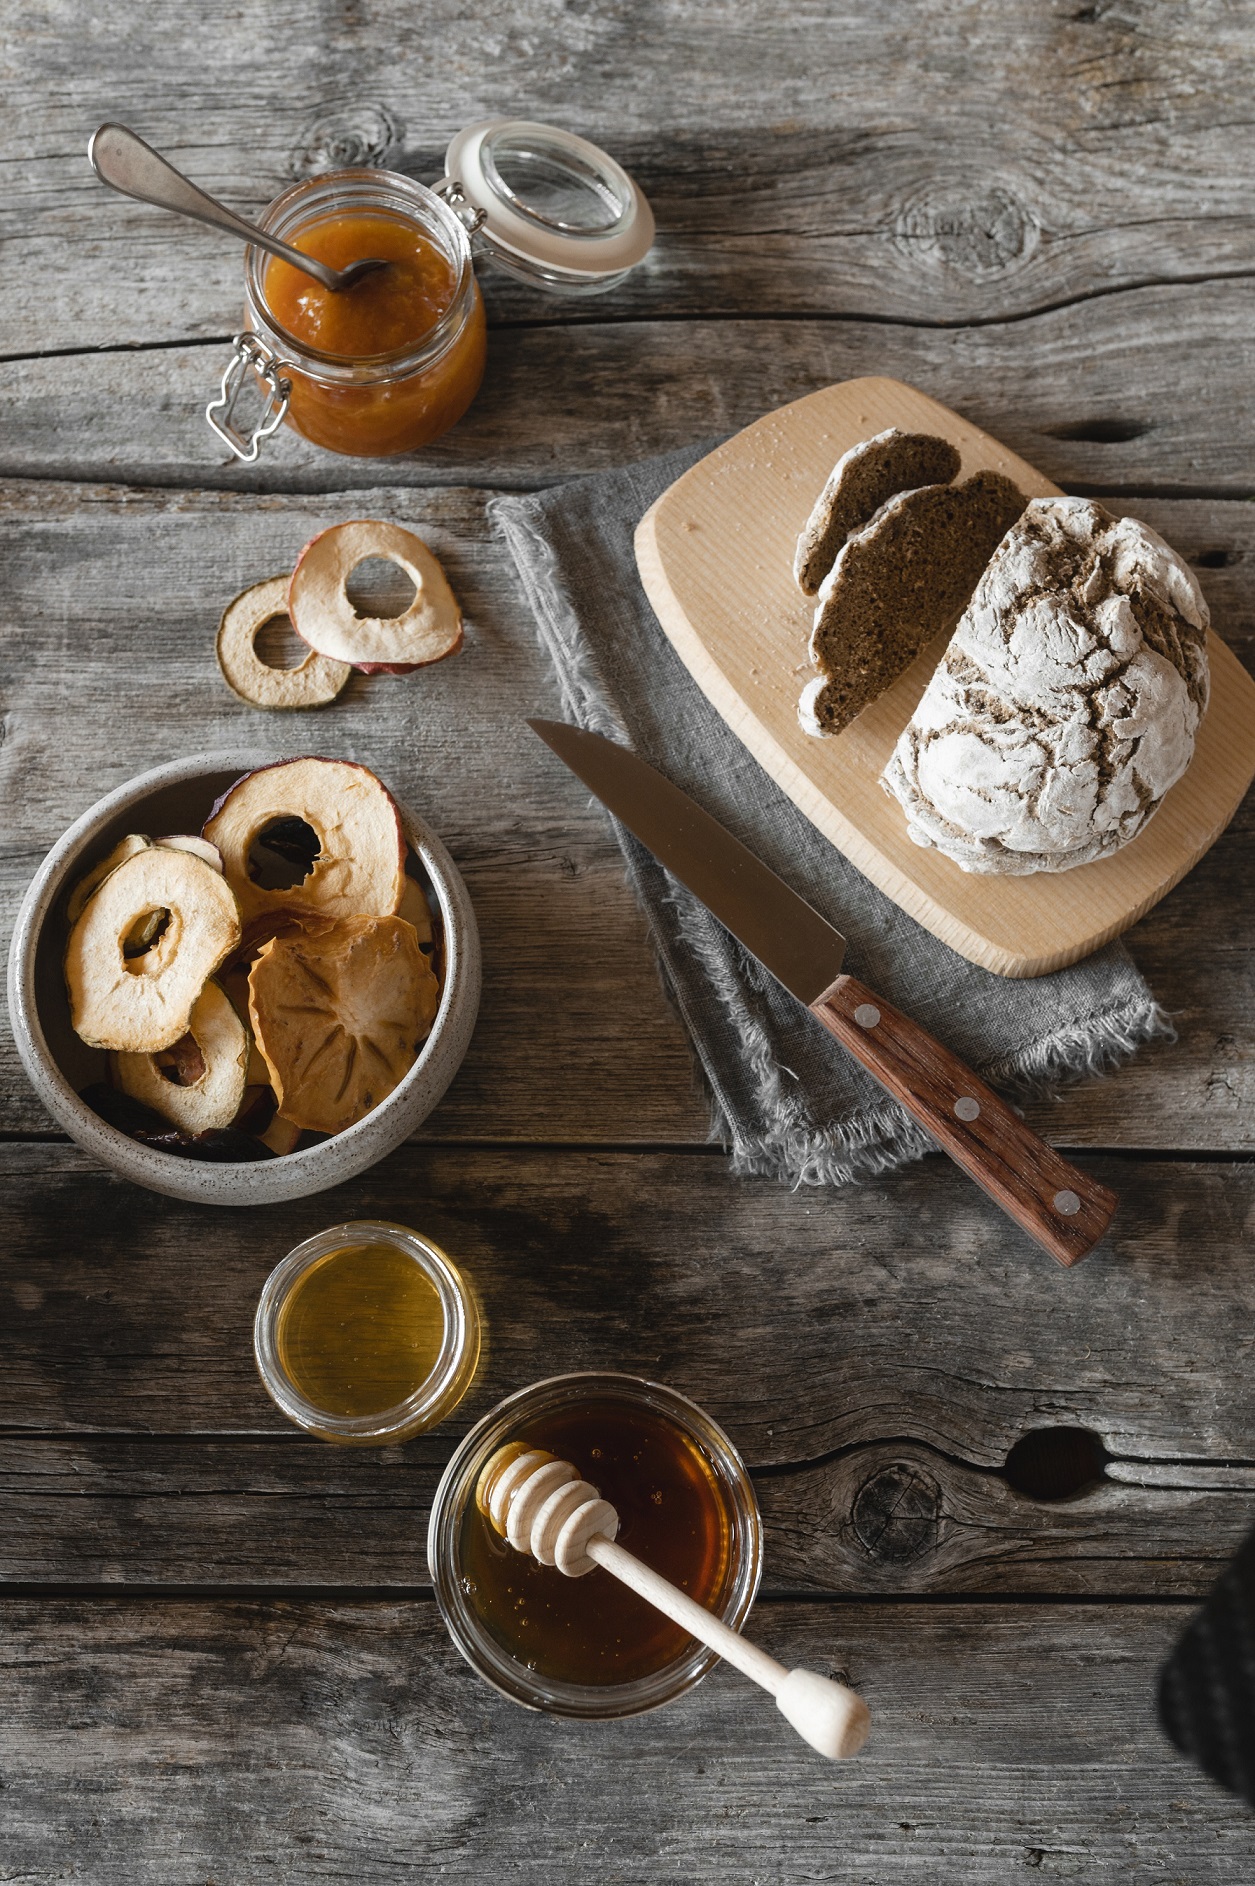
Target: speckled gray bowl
(177, 798)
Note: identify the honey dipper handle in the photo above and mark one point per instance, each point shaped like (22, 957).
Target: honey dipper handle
(832, 1718)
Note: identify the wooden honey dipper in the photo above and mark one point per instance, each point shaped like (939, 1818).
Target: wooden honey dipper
(539, 1504)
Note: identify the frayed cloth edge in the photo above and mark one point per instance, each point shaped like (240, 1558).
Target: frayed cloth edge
(882, 1138)
(584, 693)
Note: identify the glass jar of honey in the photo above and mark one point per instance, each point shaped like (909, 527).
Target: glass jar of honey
(588, 1647)
(387, 365)
(366, 1334)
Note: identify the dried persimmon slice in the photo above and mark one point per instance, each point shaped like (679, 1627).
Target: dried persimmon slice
(339, 1017)
(314, 682)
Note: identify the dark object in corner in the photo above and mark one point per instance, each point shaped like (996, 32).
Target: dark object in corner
(1207, 1686)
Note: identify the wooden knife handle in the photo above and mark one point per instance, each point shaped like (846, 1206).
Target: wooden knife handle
(1058, 1205)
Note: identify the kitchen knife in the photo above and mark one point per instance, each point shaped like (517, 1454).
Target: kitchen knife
(1057, 1204)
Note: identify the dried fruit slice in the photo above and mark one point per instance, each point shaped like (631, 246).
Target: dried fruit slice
(198, 1083)
(125, 848)
(322, 615)
(281, 1136)
(339, 1017)
(312, 683)
(416, 910)
(358, 867)
(262, 929)
(258, 1107)
(132, 984)
(221, 1145)
(199, 847)
(259, 1116)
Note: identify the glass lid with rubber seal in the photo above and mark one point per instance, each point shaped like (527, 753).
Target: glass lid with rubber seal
(549, 207)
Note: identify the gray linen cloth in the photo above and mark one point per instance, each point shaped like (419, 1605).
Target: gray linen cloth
(786, 1099)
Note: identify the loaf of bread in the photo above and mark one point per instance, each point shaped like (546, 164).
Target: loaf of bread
(857, 486)
(1067, 702)
(898, 582)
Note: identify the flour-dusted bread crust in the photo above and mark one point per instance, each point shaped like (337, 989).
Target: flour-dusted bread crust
(897, 583)
(1067, 702)
(870, 473)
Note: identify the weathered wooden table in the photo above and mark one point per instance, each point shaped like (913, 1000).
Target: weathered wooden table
(221, 1661)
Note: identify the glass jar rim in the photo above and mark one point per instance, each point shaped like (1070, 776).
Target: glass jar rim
(385, 190)
(450, 1374)
(489, 1659)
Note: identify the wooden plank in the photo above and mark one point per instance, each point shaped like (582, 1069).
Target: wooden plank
(120, 590)
(1118, 395)
(1197, 954)
(892, 1516)
(169, 1743)
(945, 169)
(909, 1310)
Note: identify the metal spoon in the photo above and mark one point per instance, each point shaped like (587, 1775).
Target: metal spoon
(126, 163)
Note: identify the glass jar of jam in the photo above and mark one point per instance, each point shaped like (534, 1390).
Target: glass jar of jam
(384, 367)
(588, 1647)
(388, 365)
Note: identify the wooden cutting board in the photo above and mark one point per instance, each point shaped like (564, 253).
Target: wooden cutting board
(716, 557)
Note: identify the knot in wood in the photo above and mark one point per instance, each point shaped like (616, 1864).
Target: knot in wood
(896, 1514)
(345, 136)
(984, 233)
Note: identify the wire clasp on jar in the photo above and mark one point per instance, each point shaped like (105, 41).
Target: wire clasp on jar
(251, 354)
(471, 219)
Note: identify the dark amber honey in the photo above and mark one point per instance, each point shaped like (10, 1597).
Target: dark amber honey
(674, 1514)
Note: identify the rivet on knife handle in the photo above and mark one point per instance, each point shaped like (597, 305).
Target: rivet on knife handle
(1057, 1204)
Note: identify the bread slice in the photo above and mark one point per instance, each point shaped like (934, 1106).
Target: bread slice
(904, 578)
(870, 473)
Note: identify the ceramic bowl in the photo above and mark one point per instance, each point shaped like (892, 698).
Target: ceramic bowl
(177, 798)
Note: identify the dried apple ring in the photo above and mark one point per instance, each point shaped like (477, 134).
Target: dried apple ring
(339, 1017)
(89, 885)
(356, 865)
(199, 847)
(133, 982)
(312, 683)
(209, 1065)
(322, 615)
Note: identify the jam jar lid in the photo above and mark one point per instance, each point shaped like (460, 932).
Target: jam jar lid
(556, 210)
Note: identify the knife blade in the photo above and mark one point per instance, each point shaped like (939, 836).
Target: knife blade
(1061, 1207)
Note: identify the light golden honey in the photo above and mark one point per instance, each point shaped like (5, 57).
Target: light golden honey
(361, 1330)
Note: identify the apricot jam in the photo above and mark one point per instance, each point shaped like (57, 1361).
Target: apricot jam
(673, 1513)
(388, 312)
(388, 365)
